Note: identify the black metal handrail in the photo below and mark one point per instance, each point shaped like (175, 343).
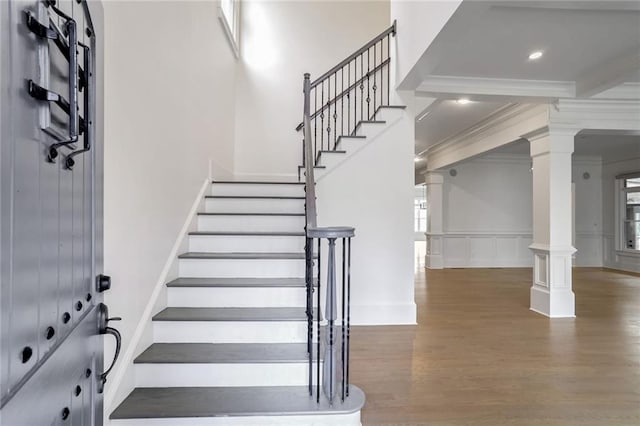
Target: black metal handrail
(347, 94)
(335, 372)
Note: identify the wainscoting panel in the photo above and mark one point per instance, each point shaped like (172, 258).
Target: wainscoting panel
(589, 249)
(487, 250)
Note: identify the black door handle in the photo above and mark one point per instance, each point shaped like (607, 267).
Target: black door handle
(103, 328)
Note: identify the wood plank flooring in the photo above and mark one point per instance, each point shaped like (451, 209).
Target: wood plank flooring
(479, 356)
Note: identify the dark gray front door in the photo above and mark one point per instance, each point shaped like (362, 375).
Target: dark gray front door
(51, 352)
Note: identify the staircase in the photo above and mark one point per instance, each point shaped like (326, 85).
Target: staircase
(255, 333)
(231, 346)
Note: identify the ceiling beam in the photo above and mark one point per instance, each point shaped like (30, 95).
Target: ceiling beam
(608, 74)
(500, 129)
(448, 87)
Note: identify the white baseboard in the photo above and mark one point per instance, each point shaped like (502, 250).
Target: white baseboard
(122, 381)
(398, 314)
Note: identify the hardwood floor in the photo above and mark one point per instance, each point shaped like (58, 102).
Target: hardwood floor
(479, 356)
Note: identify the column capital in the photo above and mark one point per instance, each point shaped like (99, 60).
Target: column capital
(431, 178)
(546, 140)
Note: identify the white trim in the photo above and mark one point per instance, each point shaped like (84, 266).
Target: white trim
(234, 39)
(157, 301)
(440, 86)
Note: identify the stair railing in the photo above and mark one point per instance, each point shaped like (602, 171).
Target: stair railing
(349, 93)
(363, 80)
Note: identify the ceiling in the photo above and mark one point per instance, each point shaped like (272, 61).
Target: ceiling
(589, 47)
(445, 118)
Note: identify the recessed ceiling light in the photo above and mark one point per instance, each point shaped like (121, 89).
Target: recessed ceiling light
(463, 101)
(535, 55)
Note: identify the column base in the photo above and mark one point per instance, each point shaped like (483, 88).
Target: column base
(434, 258)
(554, 304)
(434, 261)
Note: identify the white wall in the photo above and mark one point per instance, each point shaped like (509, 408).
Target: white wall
(280, 42)
(588, 211)
(169, 107)
(488, 213)
(613, 258)
(419, 22)
(373, 191)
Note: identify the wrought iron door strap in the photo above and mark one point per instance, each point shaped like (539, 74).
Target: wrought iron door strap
(71, 29)
(88, 101)
(52, 32)
(40, 93)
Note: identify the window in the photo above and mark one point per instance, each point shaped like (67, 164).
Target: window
(629, 186)
(230, 18)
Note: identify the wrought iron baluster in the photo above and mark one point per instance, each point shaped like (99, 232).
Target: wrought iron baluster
(329, 113)
(318, 321)
(375, 86)
(368, 85)
(348, 310)
(388, 80)
(361, 87)
(321, 123)
(335, 109)
(349, 97)
(343, 383)
(382, 72)
(315, 124)
(342, 102)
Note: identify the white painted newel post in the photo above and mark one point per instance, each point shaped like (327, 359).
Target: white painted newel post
(551, 292)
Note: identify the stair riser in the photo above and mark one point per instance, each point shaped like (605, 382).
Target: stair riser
(263, 190)
(371, 130)
(389, 114)
(352, 419)
(350, 144)
(250, 223)
(230, 268)
(240, 297)
(226, 205)
(230, 332)
(198, 375)
(331, 160)
(244, 244)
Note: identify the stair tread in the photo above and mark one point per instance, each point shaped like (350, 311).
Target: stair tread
(237, 282)
(241, 255)
(249, 182)
(249, 214)
(250, 233)
(224, 353)
(260, 197)
(231, 314)
(231, 401)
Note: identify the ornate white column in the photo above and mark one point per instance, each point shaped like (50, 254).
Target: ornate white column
(434, 257)
(552, 248)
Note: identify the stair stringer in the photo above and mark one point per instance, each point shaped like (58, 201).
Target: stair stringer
(372, 189)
